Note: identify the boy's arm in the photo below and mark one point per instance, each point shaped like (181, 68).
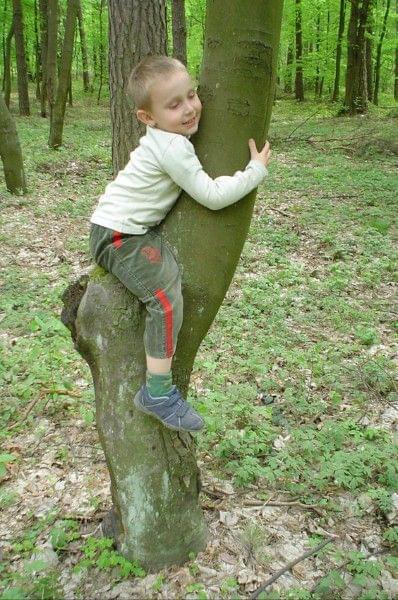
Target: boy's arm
(184, 167)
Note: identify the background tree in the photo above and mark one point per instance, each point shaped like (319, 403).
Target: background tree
(299, 84)
(52, 33)
(135, 30)
(356, 87)
(7, 65)
(336, 86)
(10, 152)
(179, 31)
(396, 52)
(83, 47)
(58, 112)
(23, 95)
(154, 478)
(43, 12)
(378, 54)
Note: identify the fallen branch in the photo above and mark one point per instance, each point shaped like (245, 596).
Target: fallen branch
(288, 567)
(313, 507)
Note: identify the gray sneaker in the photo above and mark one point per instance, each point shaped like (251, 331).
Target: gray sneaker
(172, 410)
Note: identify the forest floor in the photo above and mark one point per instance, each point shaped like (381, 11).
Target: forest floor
(295, 379)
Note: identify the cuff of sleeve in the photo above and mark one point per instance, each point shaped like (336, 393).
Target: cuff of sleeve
(259, 167)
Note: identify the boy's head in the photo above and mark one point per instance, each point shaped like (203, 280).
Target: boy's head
(164, 95)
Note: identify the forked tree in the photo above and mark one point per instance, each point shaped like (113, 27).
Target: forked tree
(155, 480)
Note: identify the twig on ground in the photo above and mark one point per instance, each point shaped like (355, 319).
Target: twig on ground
(288, 567)
(313, 507)
(281, 212)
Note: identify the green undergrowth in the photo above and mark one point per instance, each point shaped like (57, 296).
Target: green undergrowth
(297, 371)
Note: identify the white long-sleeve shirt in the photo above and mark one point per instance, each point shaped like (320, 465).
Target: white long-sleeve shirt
(149, 185)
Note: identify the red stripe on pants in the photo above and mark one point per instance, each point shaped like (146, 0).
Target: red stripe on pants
(117, 239)
(168, 316)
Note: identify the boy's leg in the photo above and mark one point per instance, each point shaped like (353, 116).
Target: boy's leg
(147, 267)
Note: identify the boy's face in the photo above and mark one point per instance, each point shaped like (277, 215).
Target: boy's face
(175, 105)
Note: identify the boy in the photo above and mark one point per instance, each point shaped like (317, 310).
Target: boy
(124, 239)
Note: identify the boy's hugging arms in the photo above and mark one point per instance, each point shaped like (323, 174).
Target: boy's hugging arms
(183, 166)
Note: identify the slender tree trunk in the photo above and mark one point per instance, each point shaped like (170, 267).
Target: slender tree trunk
(378, 54)
(58, 113)
(299, 84)
(289, 67)
(52, 34)
(83, 46)
(7, 66)
(317, 48)
(10, 152)
(154, 477)
(368, 57)
(356, 94)
(37, 53)
(101, 51)
(23, 95)
(396, 52)
(179, 31)
(336, 88)
(43, 11)
(70, 96)
(135, 30)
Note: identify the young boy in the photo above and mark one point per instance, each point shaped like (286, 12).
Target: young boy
(124, 238)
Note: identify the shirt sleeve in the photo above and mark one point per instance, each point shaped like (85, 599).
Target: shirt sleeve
(183, 166)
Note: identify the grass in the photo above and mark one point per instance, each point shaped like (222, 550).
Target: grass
(298, 368)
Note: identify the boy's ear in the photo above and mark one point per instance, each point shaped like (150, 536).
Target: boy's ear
(145, 117)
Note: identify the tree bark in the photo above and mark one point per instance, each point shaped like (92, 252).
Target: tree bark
(101, 51)
(356, 93)
(299, 84)
(7, 66)
(135, 29)
(368, 57)
(289, 64)
(336, 87)
(10, 152)
(83, 46)
(58, 113)
(43, 12)
(317, 48)
(378, 54)
(52, 33)
(22, 71)
(154, 477)
(179, 31)
(396, 52)
(37, 53)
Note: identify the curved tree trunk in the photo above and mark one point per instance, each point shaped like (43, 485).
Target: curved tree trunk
(135, 29)
(299, 84)
(22, 70)
(10, 152)
(58, 113)
(336, 88)
(179, 31)
(154, 477)
(378, 55)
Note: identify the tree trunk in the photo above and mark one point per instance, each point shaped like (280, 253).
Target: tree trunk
(299, 84)
(58, 114)
(37, 53)
(135, 30)
(289, 64)
(101, 51)
(368, 58)
(396, 52)
(7, 66)
(317, 48)
(154, 477)
(355, 93)
(10, 152)
(336, 88)
(378, 54)
(22, 71)
(43, 11)
(83, 46)
(179, 31)
(52, 33)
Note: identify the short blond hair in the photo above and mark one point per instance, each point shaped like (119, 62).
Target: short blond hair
(144, 74)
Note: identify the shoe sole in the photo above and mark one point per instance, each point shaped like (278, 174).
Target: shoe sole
(143, 409)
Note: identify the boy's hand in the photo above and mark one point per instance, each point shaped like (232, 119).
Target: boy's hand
(263, 156)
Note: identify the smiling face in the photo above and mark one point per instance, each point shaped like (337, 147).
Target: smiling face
(175, 106)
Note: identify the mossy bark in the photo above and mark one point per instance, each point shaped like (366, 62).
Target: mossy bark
(154, 476)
